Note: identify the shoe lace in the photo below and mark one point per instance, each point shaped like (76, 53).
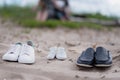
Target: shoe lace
(26, 50)
(13, 49)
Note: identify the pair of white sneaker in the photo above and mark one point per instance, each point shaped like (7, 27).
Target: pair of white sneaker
(23, 53)
(59, 53)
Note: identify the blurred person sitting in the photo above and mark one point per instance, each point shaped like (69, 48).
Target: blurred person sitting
(62, 11)
(43, 10)
(52, 9)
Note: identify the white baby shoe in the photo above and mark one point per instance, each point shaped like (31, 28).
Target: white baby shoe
(61, 53)
(13, 52)
(52, 53)
(27, 54)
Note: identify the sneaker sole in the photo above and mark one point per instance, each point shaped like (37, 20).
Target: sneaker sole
(62, 59)
(103, 65)
(26, 62)
(84, 65)
(6, 59)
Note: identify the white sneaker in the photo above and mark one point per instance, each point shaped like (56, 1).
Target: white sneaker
(13, 52)
(61, 54)
(52, 53)
(27, 54)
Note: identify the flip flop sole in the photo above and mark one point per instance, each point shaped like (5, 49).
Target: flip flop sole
(84, 65)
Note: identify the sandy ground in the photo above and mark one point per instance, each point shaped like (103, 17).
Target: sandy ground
(75, 41)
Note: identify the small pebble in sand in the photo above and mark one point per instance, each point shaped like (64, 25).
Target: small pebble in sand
(103, 77)
(118, 51)
(85, 77)
(115, 71)
(38, 50)
(3, 21)
(71, 60)
(112, 44)
(76, 76)
(94, 46)
(48, 62)
(72, 43)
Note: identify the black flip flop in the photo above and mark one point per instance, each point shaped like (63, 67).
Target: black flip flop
(87, 58)
(103, 57)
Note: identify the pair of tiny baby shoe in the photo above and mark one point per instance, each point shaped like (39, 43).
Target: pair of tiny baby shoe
(57, 52)
(23, 53)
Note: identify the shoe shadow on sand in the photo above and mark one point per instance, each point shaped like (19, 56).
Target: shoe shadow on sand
(16, 62)
(94, 69)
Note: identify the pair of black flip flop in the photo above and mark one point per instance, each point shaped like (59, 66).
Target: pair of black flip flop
(90, 58)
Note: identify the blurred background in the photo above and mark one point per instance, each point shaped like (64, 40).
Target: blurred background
(105, 7)
(91, 13)
(74, 25)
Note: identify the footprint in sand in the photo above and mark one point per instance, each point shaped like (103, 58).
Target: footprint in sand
(42, 78)
(13, 77)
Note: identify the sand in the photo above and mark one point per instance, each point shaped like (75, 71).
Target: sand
(75, 41)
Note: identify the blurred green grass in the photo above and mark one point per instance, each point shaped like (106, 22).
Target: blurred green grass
(26, 17)
(96, 16)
